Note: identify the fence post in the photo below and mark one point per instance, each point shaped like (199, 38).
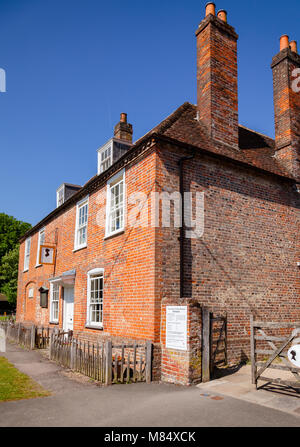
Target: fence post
(205, 345)
(32, 338)
(148, 361)
(253, 356)
(108, 362)
(19, 333)
(72, 361)
(50, 345)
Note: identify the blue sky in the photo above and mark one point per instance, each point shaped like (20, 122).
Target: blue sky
(74, 65)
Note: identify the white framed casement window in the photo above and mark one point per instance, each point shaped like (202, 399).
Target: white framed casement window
(60, 196)
(54, 302)
(115, 205)
(95, 287)
(82, 210)
(105, 157)
(41, 241)
(27, 254)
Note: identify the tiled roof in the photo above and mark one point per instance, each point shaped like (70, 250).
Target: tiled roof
(255, 149)
(183, 126)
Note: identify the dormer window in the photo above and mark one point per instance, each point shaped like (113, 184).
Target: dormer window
(64, 192)
(105, 157)
(111, 152)
(60, 196)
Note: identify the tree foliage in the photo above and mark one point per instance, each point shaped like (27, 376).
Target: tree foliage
(9, 274)
(11, 230)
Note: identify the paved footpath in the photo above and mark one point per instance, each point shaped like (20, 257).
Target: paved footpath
(239, 386)
(84, 404)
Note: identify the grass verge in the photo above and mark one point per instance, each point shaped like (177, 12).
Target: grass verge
(15, 385)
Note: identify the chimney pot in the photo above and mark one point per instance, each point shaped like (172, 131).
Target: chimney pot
(210, 9)
(293, 45)
(222, 15)
(123, 117)
(284, 42)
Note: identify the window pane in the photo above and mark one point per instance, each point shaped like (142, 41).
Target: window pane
(116, 207)
(96, 299)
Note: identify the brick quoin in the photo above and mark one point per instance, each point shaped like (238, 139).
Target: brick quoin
(245, 262)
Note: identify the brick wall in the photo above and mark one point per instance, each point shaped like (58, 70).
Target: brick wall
(128, 259)
(246, 261)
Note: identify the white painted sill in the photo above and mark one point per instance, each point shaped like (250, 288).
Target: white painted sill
(79, 248)
(115, 233)
(93, 327)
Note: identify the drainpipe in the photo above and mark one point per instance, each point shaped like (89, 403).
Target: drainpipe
(182, 228)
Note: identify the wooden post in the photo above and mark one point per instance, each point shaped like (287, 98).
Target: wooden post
(148, 361)
(205, 345)
(108, 365)
(32, 337)
(19, 332)
(51, 344)
(253, 356)
(72, 360)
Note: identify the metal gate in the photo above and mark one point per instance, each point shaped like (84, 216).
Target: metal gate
(214, 343)
(275, 340)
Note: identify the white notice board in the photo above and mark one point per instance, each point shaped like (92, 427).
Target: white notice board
(176, 327)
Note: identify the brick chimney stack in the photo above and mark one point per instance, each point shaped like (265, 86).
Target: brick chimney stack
(287, 105)
(123, 130)
(217, 81)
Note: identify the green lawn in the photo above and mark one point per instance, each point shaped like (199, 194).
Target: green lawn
(15, 385)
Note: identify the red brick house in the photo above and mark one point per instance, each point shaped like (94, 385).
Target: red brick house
(114, 278)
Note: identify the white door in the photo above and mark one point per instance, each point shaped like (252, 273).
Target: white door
(68, 308)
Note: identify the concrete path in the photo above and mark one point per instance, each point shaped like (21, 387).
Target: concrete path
(84, 404)
(239, 386)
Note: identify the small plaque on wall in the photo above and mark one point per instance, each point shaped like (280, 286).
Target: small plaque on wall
(176, 327)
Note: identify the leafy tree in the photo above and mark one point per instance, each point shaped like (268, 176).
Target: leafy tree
(11, 230)
(9, 274)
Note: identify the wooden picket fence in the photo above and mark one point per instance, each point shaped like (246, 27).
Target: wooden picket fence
(42, 337)
(20, 334)
(32, 337)
(104, 362)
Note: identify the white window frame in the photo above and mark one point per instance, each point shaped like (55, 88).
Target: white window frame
(61, 188)
(110, 144)
(42, 231)
(111, 183)
(30, 292)
(95, 273)
(79, 205)
(52, 284)
(27, 254)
